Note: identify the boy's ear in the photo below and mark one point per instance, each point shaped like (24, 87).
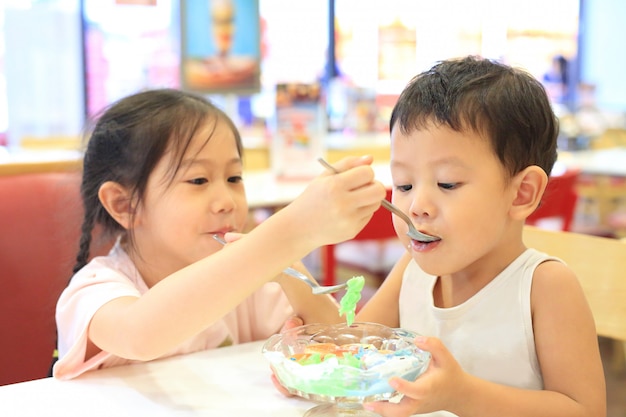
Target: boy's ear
(528, 186)
(116, 200)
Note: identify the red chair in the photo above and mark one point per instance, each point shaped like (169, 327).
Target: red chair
(558, 205)
(380, 228)
(40, 218)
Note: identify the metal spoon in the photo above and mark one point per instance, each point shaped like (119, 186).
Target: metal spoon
(413, 233)
(317, 288)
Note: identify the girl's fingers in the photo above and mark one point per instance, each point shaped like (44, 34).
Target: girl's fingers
(350, 162)
(279, 387)
(233, 236)
(291, 323)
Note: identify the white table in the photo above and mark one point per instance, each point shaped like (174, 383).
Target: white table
(596, 162)
(265, 190)
(231, 381)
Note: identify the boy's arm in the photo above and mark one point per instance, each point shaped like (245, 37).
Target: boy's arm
(383, 306)
(568, 354)
(566, 339)
(309, 307)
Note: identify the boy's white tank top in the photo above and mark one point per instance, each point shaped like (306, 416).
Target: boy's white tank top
(491, 334)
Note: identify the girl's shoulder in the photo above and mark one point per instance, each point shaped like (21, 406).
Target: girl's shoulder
(115, 267)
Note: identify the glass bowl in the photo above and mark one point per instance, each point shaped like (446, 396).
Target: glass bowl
(344, 366)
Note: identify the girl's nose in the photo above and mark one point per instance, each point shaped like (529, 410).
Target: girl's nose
(223, 200)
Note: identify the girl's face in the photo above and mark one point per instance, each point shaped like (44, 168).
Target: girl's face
(175, 223)
(453, 186)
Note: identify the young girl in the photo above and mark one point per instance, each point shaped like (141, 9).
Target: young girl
(510, 333)
(163, 174)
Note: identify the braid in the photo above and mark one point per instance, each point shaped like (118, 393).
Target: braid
(90, 204)
(85, 242)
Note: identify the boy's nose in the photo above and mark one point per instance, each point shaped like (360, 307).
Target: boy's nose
(421, 205)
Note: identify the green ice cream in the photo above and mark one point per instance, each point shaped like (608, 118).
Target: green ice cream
(347, 305)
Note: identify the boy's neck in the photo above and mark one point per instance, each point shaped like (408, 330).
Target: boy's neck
(454, 289)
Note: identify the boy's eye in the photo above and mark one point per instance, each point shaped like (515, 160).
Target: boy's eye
(235, 179)
(198, 181)
(448, 185)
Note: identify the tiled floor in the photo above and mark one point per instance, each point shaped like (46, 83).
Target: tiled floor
(615, 379)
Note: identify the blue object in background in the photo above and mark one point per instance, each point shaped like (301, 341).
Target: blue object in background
(197, 27)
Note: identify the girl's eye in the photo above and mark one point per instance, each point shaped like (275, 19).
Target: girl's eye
(448, 185)
(236, 179)
(198, 181)
(404, 188)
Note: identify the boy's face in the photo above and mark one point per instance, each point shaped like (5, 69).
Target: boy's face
(452, 186)
(177, 220)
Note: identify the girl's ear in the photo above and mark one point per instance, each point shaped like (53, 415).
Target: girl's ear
(528, 186)
(116, 200)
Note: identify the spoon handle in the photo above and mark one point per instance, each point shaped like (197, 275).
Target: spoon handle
(413, 233)
(317, 288)
(395, 210)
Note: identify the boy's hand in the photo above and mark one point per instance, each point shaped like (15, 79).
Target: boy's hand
(437, 387)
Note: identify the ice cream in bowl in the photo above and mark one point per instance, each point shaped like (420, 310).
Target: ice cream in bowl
(343, 365)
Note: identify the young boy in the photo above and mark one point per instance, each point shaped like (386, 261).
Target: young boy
(472, 145)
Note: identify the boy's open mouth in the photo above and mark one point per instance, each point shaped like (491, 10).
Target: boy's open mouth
(431, 239)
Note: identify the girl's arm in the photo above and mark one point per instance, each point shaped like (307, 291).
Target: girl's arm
(333, 208)
(567, 348)
(308, 307)
(383, 306)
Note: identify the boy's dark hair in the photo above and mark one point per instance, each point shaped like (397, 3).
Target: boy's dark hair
(507, 106)
(128, 140)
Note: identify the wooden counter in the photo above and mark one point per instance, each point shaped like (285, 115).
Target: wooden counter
(25, 162)
(61, 154)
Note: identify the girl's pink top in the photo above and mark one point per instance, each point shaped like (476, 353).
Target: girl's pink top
(108, 277)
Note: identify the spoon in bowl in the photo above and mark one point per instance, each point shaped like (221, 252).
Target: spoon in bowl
(413, 233)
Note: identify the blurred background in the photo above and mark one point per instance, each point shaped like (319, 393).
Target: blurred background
(63, 60)
(305, 78)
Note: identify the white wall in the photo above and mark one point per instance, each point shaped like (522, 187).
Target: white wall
(44, 73)
(602, 51)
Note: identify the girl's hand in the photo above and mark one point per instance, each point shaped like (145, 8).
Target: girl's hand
(335, 207)
(279, 387)
(291, 323)
(233, 236)
(439, 388)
